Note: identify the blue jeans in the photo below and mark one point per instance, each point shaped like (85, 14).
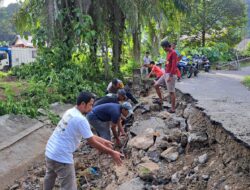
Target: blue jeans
(102, 127)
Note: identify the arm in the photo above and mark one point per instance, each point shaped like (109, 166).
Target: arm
(94, 142)
(104, 141)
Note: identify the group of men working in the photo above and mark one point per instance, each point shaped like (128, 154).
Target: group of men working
(165, 77)
(107, 112)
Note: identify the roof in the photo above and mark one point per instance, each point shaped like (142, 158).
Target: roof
(22, 41)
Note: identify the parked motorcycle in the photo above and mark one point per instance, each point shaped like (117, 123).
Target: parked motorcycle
(205, 63)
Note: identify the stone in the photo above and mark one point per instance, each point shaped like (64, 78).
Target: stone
(188, 111)
(226, 187)
(175, 177)
(121, 172)
(154, 155)
(134, 184)
(170, 154)
(155, 123)
(141, 142)
(198, 140)
(14, 187)
(151, 166)
(175, 135)
(203, 158)
(205, 177)
(184, 140)
(180, 150)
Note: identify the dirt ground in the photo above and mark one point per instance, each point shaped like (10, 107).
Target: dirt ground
(182, 157)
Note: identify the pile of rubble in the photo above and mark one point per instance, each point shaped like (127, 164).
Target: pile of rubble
(165, 151)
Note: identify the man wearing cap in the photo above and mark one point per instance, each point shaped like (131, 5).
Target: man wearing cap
(66, 139)
(112, 98)
(101, 116)
(117, 84)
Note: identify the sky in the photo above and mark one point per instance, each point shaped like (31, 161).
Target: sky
(5, 3)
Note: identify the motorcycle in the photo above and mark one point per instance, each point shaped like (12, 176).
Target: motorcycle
(205, 63)
(183, 66)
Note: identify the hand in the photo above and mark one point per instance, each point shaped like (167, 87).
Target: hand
(169, 79)
(108, 144)
(118, 142)
(117, 157)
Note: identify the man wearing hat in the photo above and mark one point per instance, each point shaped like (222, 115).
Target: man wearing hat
(112, 98)
(102, 115)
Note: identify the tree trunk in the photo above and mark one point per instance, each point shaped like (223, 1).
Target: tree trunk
(50, 20)
(118, 25)
(137, 44)
(204, 23)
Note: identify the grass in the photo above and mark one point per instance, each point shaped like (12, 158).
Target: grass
(246, 81)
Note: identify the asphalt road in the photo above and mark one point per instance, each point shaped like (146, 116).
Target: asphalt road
(224, 98)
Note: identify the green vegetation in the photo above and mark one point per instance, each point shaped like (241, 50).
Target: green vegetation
(246, 81)
(107, 38)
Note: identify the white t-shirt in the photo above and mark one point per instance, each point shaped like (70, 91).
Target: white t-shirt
(67, 136)
(146, 60)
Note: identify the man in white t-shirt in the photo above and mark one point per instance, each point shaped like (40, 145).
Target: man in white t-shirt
(146, 62)
(66, 139)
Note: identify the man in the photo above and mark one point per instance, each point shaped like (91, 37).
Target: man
(114, 86)
(117, 84)
(101, 116)
(155, 70)
(112, 98)
(170, 75)
(146, 62)
(65, 140)
(178, 73)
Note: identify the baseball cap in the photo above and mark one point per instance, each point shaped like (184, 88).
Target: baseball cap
(122, 92)
(128, 106)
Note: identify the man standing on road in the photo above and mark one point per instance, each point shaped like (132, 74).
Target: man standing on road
(101, 116)
(66, 139)
(170, 75)
(170, 72)
(146, 62)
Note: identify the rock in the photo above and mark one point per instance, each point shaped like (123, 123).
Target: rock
(205, 177)
(14, 187)
(196, 169)
(155, 123)
(226, 187)
(121, 173)
(198, 140)
(181, 187)
(189, 110)
(155, 107)
(134, 184)
(164, 115)
(163, 145)
(180, 150)
(151, 166)
(203, 158)
(143, 141)
(145, 109)
(170, 154)
(175, 135)
(175, 177)
(184, 140)
(154, 155)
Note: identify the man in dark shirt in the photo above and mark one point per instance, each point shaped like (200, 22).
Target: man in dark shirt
(112, 98)
(101, 116)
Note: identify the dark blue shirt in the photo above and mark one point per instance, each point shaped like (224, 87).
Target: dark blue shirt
(106, 99)
(108, 112)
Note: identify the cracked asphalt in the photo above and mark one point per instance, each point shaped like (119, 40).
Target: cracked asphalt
(224, 98)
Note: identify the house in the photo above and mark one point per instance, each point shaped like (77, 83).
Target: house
(22, 42)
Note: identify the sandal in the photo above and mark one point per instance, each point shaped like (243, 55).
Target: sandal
(157, 102)
(171, 111)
